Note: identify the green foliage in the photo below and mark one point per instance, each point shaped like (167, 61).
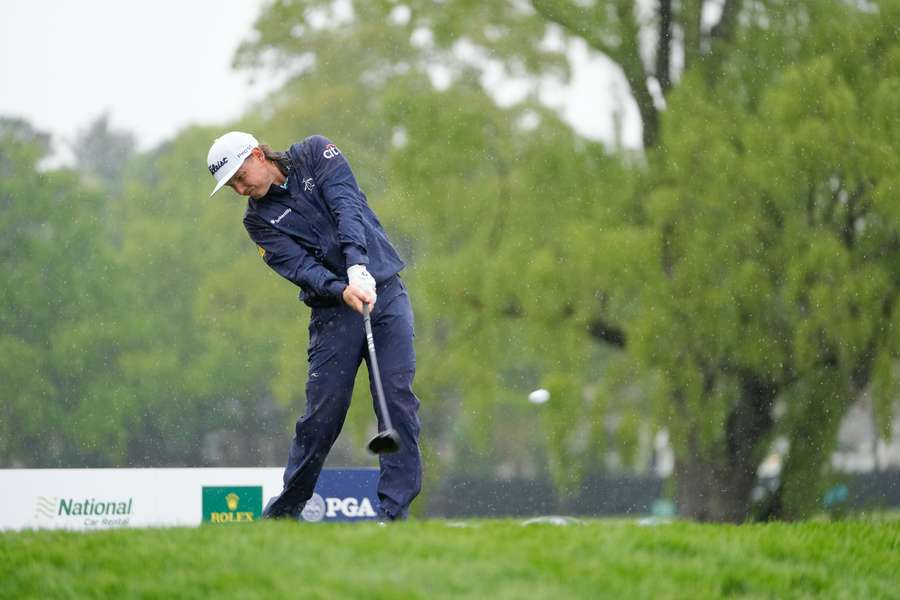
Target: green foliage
(777, 261)
(734, 284)
(101, 154)
(56, 269)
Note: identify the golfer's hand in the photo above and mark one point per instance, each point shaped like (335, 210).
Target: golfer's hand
(356, 297)
(358, 276)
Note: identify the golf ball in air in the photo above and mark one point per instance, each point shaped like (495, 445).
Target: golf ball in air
(539, 396)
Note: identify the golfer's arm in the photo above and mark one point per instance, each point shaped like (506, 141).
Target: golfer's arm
(343, 198)
(292, 261)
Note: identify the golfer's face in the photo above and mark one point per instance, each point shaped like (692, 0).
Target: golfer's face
(252, 179)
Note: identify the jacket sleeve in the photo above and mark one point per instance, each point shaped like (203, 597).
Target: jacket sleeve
(342, 196)
(291, 260)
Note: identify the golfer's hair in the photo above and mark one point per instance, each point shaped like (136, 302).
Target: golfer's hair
(281, 159)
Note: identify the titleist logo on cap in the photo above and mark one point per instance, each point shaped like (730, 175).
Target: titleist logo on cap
(216, 166)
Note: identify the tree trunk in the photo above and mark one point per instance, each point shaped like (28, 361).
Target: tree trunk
(648, 111)
(710, 489)
(582, 22)
(664, 46)
(713, 485)
(813, 435)
(691, 19)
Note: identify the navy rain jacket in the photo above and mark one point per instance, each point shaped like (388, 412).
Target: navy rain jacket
(321, 224)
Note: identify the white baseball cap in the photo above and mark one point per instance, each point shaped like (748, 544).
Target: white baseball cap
(227, 154)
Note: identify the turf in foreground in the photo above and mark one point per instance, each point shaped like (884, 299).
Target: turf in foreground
(475, 559)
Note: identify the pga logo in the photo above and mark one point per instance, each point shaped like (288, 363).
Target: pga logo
(331, 151)
(317, 508)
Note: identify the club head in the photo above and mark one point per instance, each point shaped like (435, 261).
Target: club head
(384, 442)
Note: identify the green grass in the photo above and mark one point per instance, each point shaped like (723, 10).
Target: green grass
(434, 559)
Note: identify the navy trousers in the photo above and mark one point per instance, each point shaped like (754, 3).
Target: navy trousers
(337, 346)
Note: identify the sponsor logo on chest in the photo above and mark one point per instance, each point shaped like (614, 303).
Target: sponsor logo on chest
(280, 217)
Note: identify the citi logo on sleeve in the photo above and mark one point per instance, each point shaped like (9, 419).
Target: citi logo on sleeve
(218, 165)
(331, 151)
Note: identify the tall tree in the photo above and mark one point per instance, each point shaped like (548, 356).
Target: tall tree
(652, 43)
(773, 304)
(653, 277)
(56, 344)
(102, 153)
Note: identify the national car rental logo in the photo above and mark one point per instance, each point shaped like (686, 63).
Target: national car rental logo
(45, 507)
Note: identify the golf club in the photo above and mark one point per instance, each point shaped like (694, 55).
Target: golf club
(385, 441)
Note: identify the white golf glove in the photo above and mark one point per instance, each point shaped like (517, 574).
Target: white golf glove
(359, 277)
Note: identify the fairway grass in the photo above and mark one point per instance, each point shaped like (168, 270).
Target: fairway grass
(472, 559)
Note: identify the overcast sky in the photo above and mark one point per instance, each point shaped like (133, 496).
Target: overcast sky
(154, 66)
(158, 66)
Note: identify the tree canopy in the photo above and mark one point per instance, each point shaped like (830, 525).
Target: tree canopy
(733, 283)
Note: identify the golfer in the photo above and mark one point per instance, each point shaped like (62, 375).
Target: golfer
(313, 226)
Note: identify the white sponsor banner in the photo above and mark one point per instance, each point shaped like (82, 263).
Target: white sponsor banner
(102, 498)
